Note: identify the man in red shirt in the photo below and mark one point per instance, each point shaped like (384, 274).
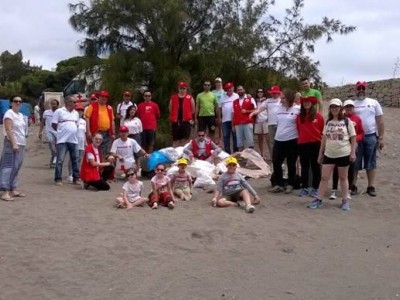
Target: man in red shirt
(148, 112)
(181, 115)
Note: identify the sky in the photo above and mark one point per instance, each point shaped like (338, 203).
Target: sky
(41, 30)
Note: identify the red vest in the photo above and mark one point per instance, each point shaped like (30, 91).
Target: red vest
(195, 150)
(94, 118)
(88, 172)
(187, 108)
(238, 117)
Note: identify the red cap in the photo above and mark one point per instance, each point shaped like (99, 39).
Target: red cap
(127, 93)
(104, 94)
(275, 90)
(93, 97)
(228, 85)
(182, 84)
(79, 106)
(123, 129)
(361, 83)
(312, 99)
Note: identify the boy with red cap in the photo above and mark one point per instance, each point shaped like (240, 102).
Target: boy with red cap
(181, 115)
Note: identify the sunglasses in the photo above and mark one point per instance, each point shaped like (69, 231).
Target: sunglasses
(206, 84)
(147, 96)
(160, 170)
(17, 101)
(260, 91)
(349, 106)
(334, 106)
(130, 174)
(361, 88)
(201, 135)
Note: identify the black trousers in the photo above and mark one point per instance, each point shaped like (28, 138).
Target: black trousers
(308, 153)
(282, 150)
(102, 184)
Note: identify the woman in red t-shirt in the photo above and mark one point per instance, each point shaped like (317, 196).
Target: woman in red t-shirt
(310, 124)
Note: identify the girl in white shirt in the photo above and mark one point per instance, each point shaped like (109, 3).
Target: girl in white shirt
(131, 192)
(133, 123)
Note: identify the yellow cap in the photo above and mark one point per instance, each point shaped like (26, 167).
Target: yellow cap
(182, 161)
(231, 160)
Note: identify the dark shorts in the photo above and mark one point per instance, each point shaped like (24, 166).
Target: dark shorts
(148, 138)
(207, 122)
(366, 152)
(343, 161)
(181, 131)
(234, 197)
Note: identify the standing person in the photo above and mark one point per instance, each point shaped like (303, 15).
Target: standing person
(285, 146)
(310, 125)
(161, 187)
(36, 112)
(242, 122)
(148, 112)
(131, 195)
(81, 139)
(308, 91)
(218, 92)
(123, 106)
(65, 123)
(94, 172)
(15, 132)
(182, 181)
(371, 114)
(134, 124)
(45, 122)
(233, 189)
(100, 119)
(207, 110)
(358, 126)
(226, 106)
(261, 125)
(338, 148)
(181, 115)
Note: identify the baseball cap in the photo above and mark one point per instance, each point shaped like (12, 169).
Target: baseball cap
(182, 84)
(231, 160)
(218, 79)
(127, 93)
(348, 102)
(104, 94)
(123, 129)
(274, 90)
(335, 101)
(228, 85)
(312, 99)
(182, 161)
(79, 106)
(361, 83)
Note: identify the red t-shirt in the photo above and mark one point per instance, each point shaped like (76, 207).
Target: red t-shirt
(358, 126)
(148, 113)
(310, 131)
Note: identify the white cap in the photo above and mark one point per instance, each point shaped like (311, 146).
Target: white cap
(348, 102)
(218, 79)
(335, 101)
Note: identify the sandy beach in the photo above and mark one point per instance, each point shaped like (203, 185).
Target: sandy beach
(66, 243)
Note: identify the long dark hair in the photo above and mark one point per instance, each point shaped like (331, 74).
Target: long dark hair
(311, 114)
(128, 110)
(289, 97)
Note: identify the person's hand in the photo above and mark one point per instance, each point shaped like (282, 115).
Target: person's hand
(113, 137)
(352, 157)
(320, 159)
(214, 202)
(15, 148)
(251, 115)
(218, 121)
(89, 137)
(380, 144)
(146, 155)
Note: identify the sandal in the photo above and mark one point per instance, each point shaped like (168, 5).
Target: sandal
(18, 194)
(5, 198)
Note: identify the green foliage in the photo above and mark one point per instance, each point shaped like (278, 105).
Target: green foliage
(13, 68)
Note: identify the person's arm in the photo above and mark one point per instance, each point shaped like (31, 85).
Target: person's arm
(113, 127)
(381, 130)
(188, 149)
(94, 163)
(158, 113)
(322, 149)
(353, 143)
(257, 111)
(190, 183)
(197, 109)
(247, 186)
(169, 186)
(88, 114)
(10, 135)
(42, 123)
(143, 152)
(155, 192)
(216, 150)
(119, 111)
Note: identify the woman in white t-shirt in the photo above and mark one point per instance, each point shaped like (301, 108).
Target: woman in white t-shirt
(261, 125)
(15, 130)
(133, 123)
(338, 148)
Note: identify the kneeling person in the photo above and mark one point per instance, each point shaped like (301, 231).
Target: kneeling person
(201, 147)
(233, 189)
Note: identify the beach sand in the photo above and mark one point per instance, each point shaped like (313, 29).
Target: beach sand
(66, 243)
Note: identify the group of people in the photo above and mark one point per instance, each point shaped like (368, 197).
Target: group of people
(291, 124)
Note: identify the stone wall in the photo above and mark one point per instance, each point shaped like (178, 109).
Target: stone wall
(387, 92)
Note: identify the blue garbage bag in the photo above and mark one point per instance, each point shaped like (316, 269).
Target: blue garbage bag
(156, 158)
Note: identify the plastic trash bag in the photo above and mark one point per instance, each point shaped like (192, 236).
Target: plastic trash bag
(157, 157)
(171, 153)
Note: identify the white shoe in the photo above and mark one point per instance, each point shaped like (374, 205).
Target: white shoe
(333, 195)
(69, 178)
(250, 208)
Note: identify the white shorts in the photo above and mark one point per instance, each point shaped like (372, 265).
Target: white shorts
(134, 199)
(260, 128)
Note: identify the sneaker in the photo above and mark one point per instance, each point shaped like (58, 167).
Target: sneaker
(315, 204)
(77, 182)
(276, 189)
(314, 193)
(241, 203)
(333, 195)
(288, 189)
(353, 190)
(303, 192)
(345, 205)
(250, 208)
(371, 191)
(58, 183)
(69, 179)
(155, 205)
(171, 205)
(85, 186)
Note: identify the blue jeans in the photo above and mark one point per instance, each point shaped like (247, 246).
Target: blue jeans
(227, 132)
(10, 164)
(366, 152)
(106, 144)
(62, 149)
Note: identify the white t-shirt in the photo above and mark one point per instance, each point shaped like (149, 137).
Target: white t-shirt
(286, 121)
(67, 125)
(126, 150)
(81, 134)
(271, 105)
(367, 110)
(48, 117)
(338, 138)
(133, 190)
(19, 126)
(122, 107)
(134, 125)
(226, 104)
(262, 116)
(161, 183)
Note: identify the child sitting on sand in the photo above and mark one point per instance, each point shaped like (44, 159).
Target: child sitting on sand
(161, 193)
(182, 181)
(132, 190)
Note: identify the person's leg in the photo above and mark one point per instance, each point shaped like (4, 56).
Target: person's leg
(239, 130)
(359, 162)
(305, 163)
(234, 141)
(7, 164)
(248, 135)
(271, 134)
(223, 202)
(107, 173)
(186, 194)
(18, 160)
(179, 193)
(61, 152)
(278, 158)
(51, 140)
(74, 156)
(260, 138)
(325, 175)
(106, 144)
(140, 202)
(344, 183)
(211, 124)
(335, 178)
(370, 148)
(226, 133)
(100, 185)
(291, 158)
(151, 140)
